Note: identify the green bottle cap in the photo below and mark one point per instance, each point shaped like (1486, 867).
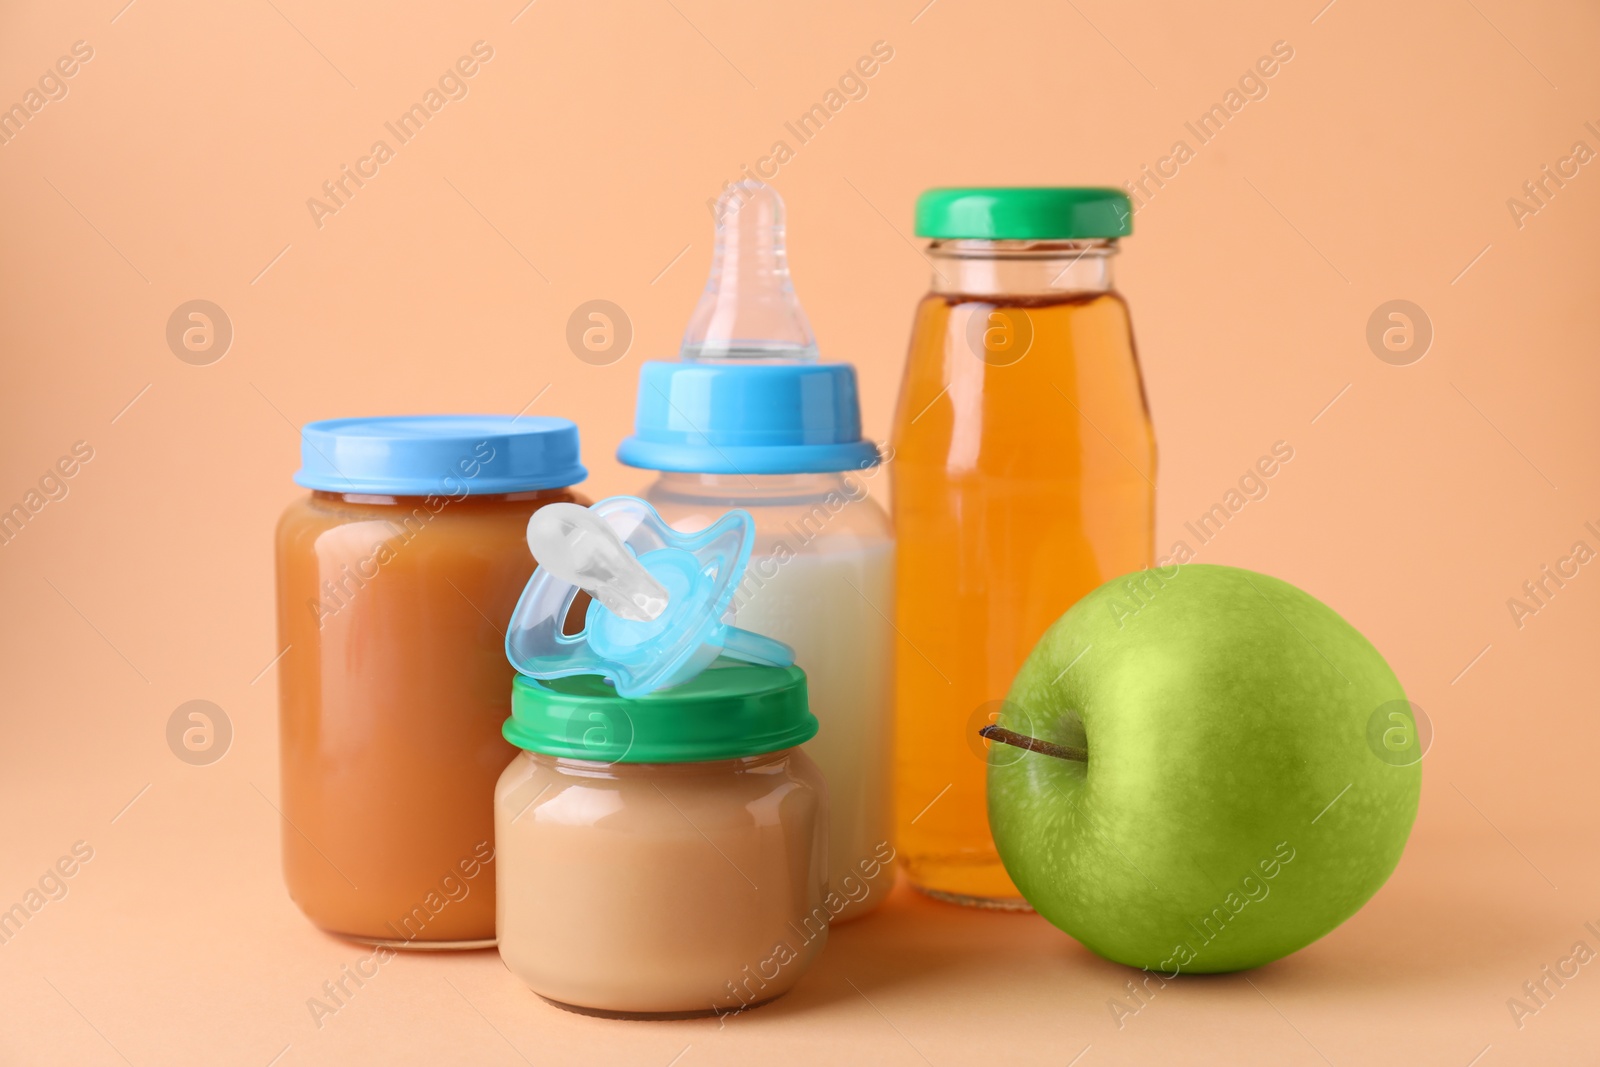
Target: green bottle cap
(729, 710)
(1024, 213)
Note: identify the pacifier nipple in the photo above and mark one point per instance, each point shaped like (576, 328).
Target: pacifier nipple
(749, 310)
(578, 547)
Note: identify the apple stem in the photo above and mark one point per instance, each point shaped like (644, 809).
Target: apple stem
(1034, 744)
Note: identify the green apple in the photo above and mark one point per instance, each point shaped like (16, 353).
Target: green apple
(1196, 790)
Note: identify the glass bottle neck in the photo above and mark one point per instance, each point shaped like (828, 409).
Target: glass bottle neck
(598, 769)
(450, 492)
(746, 488)
(1021, 268)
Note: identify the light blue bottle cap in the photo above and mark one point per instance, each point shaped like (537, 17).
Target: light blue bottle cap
(748, 418)
(447, 455)
(676, 589)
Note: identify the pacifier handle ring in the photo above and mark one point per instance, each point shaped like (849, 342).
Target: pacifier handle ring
(756, 648)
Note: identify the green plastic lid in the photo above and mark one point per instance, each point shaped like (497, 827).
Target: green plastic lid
(1024, 213)
(730, 709)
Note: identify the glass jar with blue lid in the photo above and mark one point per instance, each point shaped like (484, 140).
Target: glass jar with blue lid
(396, 577)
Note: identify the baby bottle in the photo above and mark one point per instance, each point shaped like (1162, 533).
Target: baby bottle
(750, 419)
(1024, 477)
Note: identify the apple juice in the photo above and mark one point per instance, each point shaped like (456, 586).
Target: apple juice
(1023, 477)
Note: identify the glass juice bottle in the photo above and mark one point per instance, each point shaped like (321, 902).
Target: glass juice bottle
(1023, 477)
(748, 418)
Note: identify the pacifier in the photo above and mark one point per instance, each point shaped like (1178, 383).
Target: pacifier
(656, 617)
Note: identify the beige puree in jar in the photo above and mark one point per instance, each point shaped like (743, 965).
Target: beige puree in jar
(659, 888)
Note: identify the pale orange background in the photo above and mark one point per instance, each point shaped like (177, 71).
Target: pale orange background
(578, 167)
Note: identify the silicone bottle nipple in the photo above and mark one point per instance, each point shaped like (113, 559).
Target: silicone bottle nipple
(661, 598)
(577, 546)
(749, 310)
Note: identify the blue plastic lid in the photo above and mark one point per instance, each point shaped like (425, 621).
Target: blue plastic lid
(446, 455)
(748, 418)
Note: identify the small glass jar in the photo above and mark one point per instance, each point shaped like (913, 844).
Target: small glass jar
(396, 578)
(666, 856)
